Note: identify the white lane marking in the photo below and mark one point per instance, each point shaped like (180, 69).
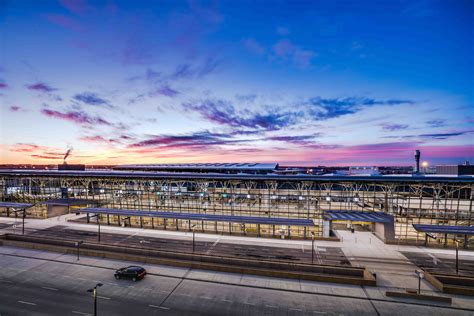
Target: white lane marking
(271, 306)
(6, 281)
(80, 313)
(103, 297)
(154, 306)
(302, 248)
(163, 307)
(49, 288)
(227, 301)
(28, 303)
(206, 298)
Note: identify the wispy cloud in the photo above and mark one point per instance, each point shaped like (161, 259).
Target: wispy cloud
(3, 85)
(15, 108)
(194, 141)
(224, 113)
(327, 108)
(394, 127)
(436, 123)
(80, 118)
(164, 90)
(91, 98)
(41, 87)
(285, 50)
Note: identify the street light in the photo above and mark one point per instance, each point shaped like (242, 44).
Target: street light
(78, 244)
(421, 275)
(456, 241)
(193, 227)
(312, 247)
(94, 294)
(98, 224)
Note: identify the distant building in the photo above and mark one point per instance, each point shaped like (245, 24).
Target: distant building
(460, 170)
(363, 170)
(226, 168)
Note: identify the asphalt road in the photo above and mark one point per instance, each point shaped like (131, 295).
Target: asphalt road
(322, 255)
(42, 287)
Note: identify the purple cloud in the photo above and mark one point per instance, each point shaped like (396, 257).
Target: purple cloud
(298, 140)
(90, 99)
(164, 90)
(436, 123)
(394, 127)
(3, 85)
(194, 141)
(15, 108)
(327, 108)
(41, 87)
(224, 113)
(77, 117)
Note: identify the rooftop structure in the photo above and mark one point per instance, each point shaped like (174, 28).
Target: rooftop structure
(228, 168)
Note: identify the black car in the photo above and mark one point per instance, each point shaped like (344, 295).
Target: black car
(133, 272)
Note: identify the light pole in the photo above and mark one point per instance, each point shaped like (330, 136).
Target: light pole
(421, 275)
(312, 247)
(78, 244)
(193, 228)
(98, 224)
(457, 255)
(94, 294)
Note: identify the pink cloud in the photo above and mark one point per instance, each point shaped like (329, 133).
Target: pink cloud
(75, 116)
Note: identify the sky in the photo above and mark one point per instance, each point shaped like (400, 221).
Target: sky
(292, 82)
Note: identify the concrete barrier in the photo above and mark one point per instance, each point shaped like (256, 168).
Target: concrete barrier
(452, 284)
(324, 273)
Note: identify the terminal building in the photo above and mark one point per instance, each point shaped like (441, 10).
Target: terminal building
(248, 199)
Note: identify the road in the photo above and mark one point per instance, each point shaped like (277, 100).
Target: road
(40, 286)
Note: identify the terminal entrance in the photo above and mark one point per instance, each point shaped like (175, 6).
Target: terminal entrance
(379, 223)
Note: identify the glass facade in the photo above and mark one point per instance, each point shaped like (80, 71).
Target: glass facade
(428, 201)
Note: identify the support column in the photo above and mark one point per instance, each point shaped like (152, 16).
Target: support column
(258, 230)
(8, 212)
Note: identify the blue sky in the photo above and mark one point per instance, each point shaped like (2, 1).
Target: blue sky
(299, 82)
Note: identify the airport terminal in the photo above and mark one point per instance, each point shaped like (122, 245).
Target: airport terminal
(251, 200)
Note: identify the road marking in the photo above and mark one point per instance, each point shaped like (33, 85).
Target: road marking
(49, 288)
(296, 309)
(103, 297)
(163, 307)
(28, 303)
(206, 298)
(302, 248)
(271, 306)
(154, 306)
(316, 312)
(80, 313)
(227, 301)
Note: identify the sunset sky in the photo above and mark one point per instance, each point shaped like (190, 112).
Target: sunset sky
(300, 82)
